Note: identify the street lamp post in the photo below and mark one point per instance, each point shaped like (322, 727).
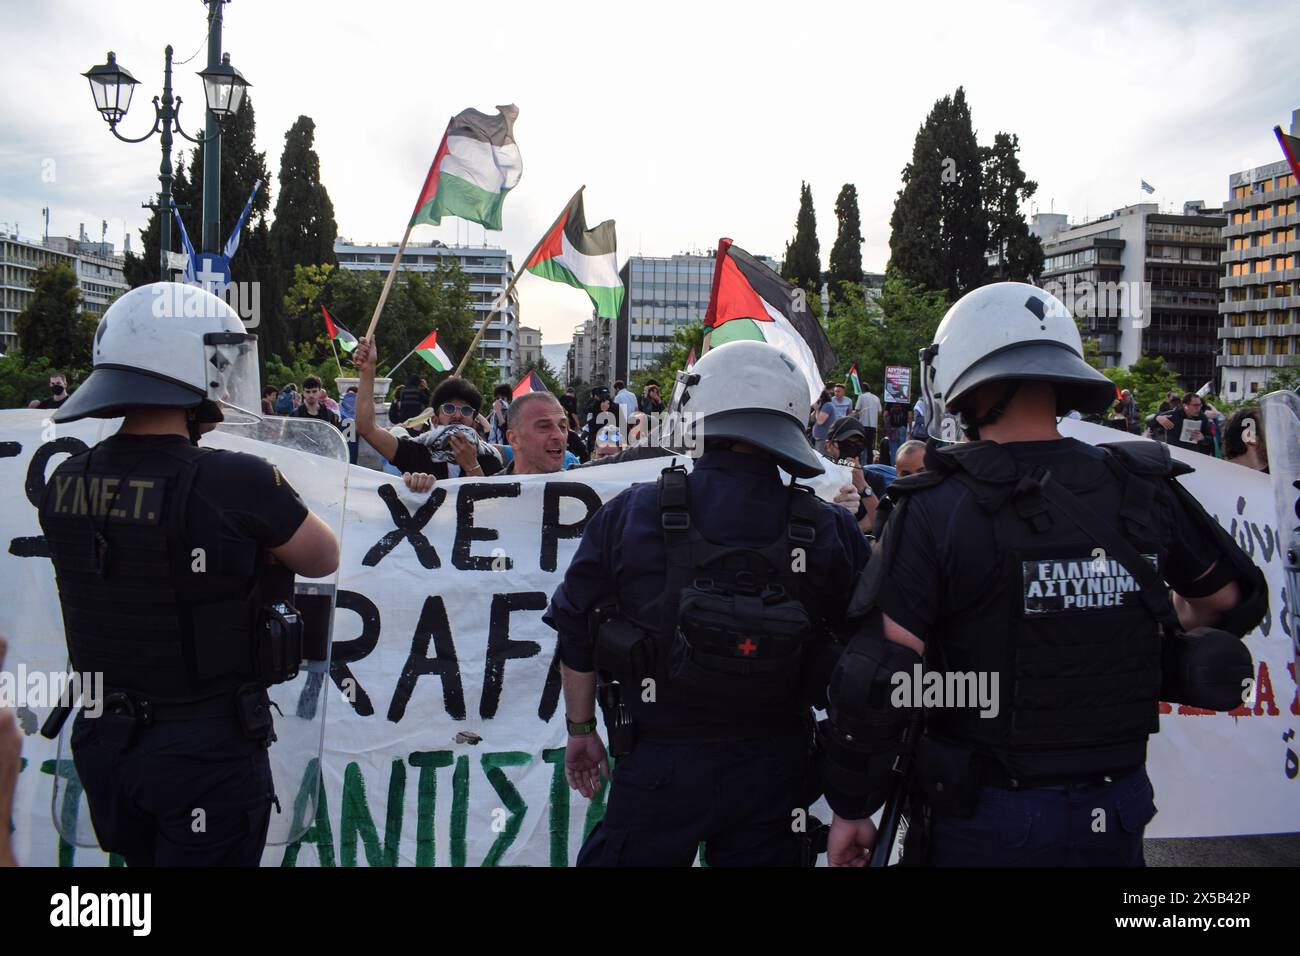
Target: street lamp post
(224, 87)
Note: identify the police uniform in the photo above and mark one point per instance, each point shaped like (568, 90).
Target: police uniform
(997, 581)
(157, 547)
(1037, 574)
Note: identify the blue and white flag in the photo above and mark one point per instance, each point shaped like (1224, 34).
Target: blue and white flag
(232, 243)
(1147, 187)
(185, 244)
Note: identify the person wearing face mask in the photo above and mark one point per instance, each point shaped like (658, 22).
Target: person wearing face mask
(58, 392)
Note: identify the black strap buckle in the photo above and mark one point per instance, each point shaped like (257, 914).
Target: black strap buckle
(675, 520)
(801, 533)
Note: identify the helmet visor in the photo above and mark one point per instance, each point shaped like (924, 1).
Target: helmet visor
(230, 360)
(941, 422)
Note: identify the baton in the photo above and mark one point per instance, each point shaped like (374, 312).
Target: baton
(893, 813)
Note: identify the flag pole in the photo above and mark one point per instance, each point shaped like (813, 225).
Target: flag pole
(336, 356)
(401, 363)
(505, 296)
(388, 283)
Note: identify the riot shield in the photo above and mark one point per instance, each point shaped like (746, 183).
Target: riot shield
(1282, 442)
(313, 458)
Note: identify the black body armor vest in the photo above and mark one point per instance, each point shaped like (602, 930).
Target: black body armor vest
(138, 604)
(1074, 641)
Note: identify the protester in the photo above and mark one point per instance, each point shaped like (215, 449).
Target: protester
(625, 399)
(569, 401)
(845, 443)
(910, 459)
(268, 399)
(651, 402)
(1243, 439)
(312, 403)
(1187, 427)
(830, 412)
(348, 404)
(58, 393)
(573, 439)
(537, 434)
(1127, 407)
(867, 409)
(605, 414)
(1170, 403)
(450, 450)
(286, 399)
(409, 401)
(897, 418)
(497, 418)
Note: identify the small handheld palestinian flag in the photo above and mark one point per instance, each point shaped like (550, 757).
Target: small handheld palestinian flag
(432, 352)
(854, 380)
(531, 382)
(1290, 149)
(341, 337)
(583, 258)
(750, 301)
(690, 359)
(477, 163)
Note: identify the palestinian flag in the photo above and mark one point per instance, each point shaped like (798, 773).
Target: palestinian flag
(531, 382)
(750, 301)
(475, 166)
(853, 378)
(432, 352)
(1291, 149)
(344, 340)
(582, 257)
(690, 359)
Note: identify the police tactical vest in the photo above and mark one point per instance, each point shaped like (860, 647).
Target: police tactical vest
(1066, 628)
(731, 627)
(138, 605)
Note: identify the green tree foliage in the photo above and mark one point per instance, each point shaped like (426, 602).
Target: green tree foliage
(417, 304)
(802, 266)
(1005, 189)
(24, 378)
(890, 330)
(241, 166)
(938, 230)
(304, 229)
(1149, 379)
(846, 254)
(671, 360)
(51, 325)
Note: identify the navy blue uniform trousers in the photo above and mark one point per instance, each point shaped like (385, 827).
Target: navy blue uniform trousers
(1072, 825)
(143, 799)
(741, 799)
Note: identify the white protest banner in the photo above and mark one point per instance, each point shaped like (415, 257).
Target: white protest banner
(444, 734)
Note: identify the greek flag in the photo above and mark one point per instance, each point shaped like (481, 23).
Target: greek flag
(1147, 187)
(185, 244)
(232, 244)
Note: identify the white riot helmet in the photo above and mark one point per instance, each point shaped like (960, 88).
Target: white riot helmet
(1005, 332)
(167, 345)
(752, 392)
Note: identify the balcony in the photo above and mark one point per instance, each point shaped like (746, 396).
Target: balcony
(1253, 361)
(1258, 331)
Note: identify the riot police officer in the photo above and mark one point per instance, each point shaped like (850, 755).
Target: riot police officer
(1011, 638)
(165, 554)
(707, 603)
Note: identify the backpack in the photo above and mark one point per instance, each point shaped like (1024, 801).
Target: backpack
(284, 402)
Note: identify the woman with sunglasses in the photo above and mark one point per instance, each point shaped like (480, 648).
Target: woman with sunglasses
(455, 402)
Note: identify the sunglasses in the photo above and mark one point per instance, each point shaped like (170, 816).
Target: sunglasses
(451, 408)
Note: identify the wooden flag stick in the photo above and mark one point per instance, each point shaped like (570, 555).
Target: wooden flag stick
(388, 283)
(336, 356)
(504, 297)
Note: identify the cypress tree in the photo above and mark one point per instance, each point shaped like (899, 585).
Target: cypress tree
(938, 230)
(802, 266)
(846, 254)
(1006, 189)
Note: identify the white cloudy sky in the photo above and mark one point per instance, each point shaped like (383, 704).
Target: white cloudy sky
(686, 121)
